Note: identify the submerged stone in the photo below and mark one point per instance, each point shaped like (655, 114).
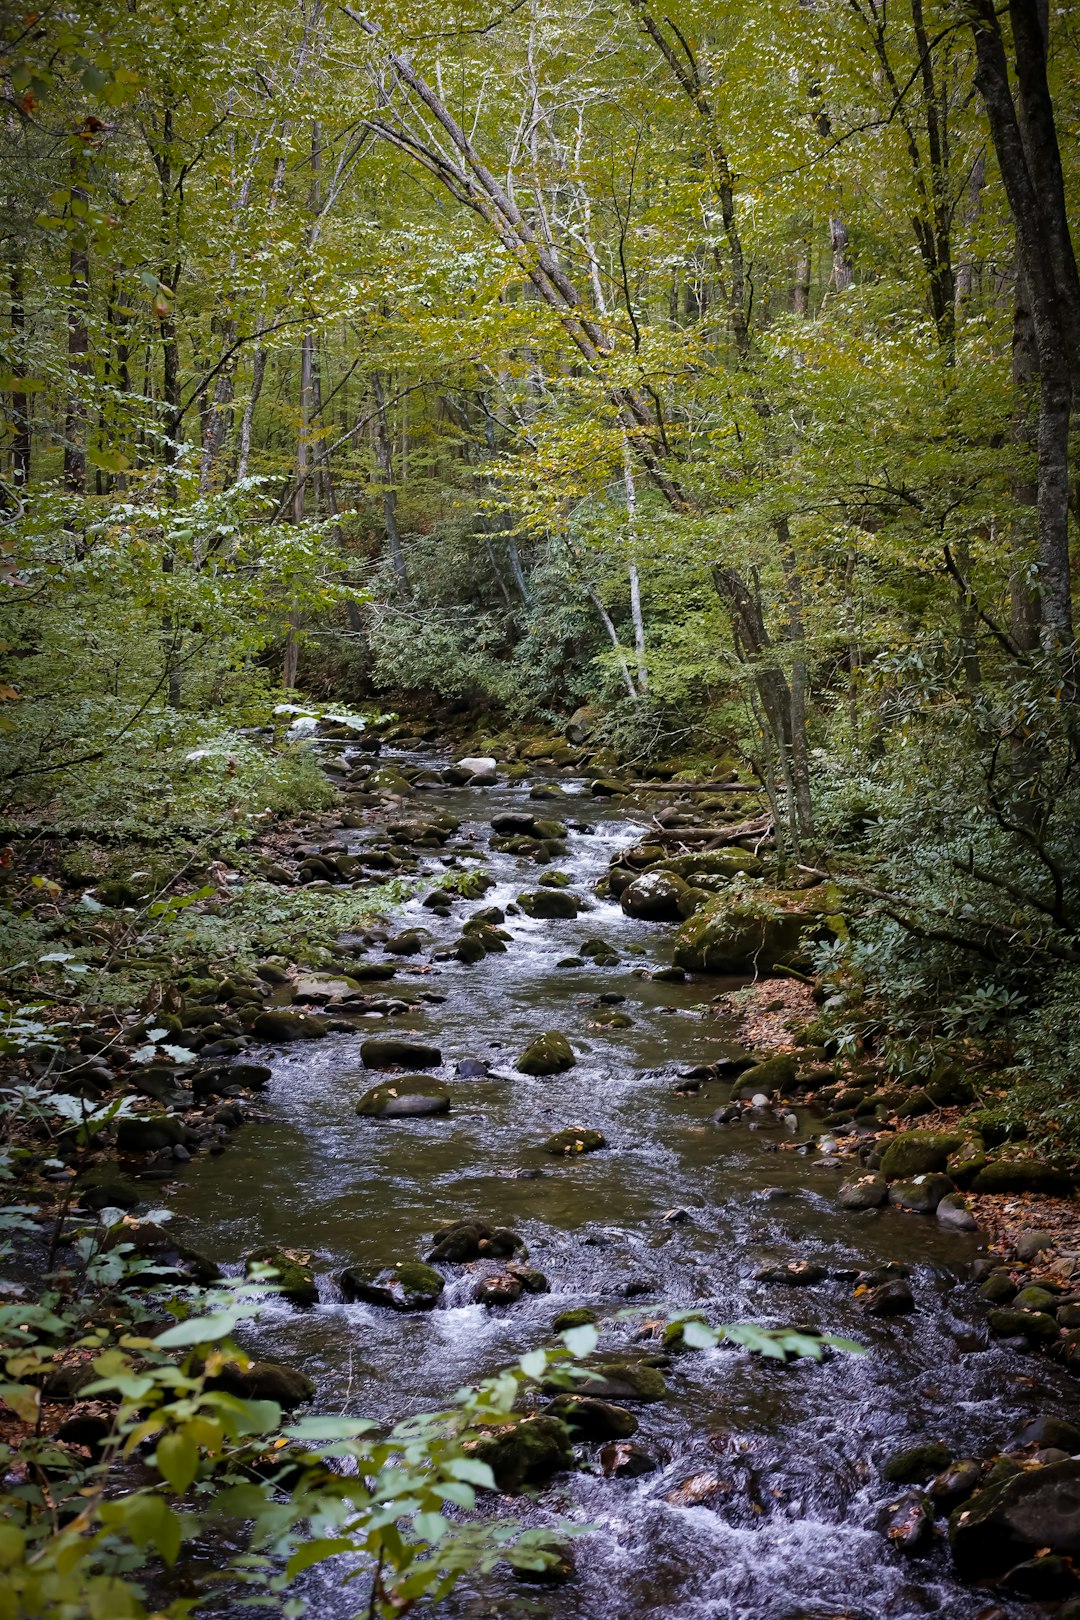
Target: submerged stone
(408, 1285)
(412, 1096)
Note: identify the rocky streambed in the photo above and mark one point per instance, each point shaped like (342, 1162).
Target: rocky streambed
(519, 1114)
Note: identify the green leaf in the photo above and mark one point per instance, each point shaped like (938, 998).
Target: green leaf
(533, 1364)
(199, 1330)
(432, 1526)
(314, 1552)
(177, 1459)
(581, 1341)
(472, 1469)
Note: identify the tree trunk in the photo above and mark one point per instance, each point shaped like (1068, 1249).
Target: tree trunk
(20, 399)
(78, 348)
(381, 441)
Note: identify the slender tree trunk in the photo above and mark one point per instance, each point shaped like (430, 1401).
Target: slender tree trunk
(79, 367)
(380, 433)
(635, 581)
(20, 399)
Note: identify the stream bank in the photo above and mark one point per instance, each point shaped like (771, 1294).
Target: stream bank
(761, 1490)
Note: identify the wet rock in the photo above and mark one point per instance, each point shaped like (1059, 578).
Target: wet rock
(956, 1482)
(724, 863)
(796, 1273)
(264, 1381)
(623, 1381)
(910, 1523)
(105, 1188)
(921, 1195)
(295, 1279)
(549, 904)
(1022, 1176)
(606, 787)
(472, 1240)
(577, 1316)
(278, 1025)
(547, 1054)
(322, 987)
(472, 1069)
(469, 949)
(1006, 1522)
(623, 1459)
(917, 1153)
(954, 1213)
(408, 943)
(591, 1419)
(863, 1192)
(1031, 1243)
(914, 1464)
(558, 1566)
(412, 1096)
(1043, 1578)
(773, 1074)
(501, 1289)
(527, 1452)
(998, 1288)
(148, 1133)
(531, 1280)
(367, 971)
(1051, 1431)
(576, 1139)
(1034, 1298)
(253, 1076)
(1034, 1326)
(408, 1285)
(388, 1051)
(892, 1298)
(654, 897)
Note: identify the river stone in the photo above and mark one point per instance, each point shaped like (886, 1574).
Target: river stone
(1037, 1327)
(772, 1074)
(954, 1213)
(998, 1287)
(473, 1240)
(622, 1459)
(478, 764)
(264, 1381)
(104, 1187)
(1002, 1524)
(576, 1139)
(252, 1075)
(956, 1482)
(593, 1419)
(917, 1153)
(576, 1316)
(412, 1096)
(921, 1195)
(796, 1273)
(549, 904)
(910, 1522)
(147, 1133)
(893, 1298)
(408, 1285)
(654, 897)
(625, 1381)
(281, 1024)
(384, 1051)
(408, 943)
(500, 1289)
(1022, 1176)
(526, 1452)
(1031, 1243)
(863, 1192)
(914, 1464)
(295, 1279)
(372, 970)
(322, 986)
(469, 949)
(1051, 1431)
(1034, 1298)
(547, 1054)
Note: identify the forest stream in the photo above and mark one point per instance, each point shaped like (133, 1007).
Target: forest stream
(762, 1498)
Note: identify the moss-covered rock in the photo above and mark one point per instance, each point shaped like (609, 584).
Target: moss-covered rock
(264, 1381)
(412, 1096)
(921, 1195)
(1006, 1521)
(407, 1285)
(281, 1024)
(593, 1419)
(527, 1452)
(613, 1380)
(472, 1240)
(916, 1153)
(724, 863)
(577, 1316)
(295, 1279)
(914, 1464)
(148, 1133)
(654, 897)
(549, 904)
(738, 933)
(547, 1054)
(776, 1073)
(1037, 1327)
(390, 1051)
(1008, 1175)
(577, 1139)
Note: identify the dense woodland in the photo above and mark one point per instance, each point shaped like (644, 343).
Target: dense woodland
(708, 369)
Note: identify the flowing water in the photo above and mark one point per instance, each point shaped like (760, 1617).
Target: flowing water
(767, 1501)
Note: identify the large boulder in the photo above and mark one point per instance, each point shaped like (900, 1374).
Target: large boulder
(1004, 1522)
(921, 1195)
(264, 1381)
(1007, 1175)
(547, 1054)
(654, 897)
(724, 863)
(467, 1240)
(593, 1419)
(389, 1051)
(295, 1279)
(917, 1153)
(323, 986)
(407, 1285)
(740, 934)
(413, 1096)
